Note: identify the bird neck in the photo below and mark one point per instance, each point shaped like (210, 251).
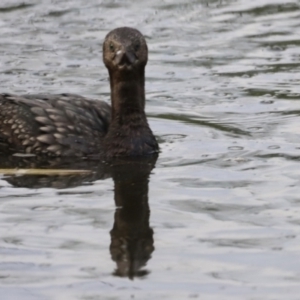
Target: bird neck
(129, 133)
(127, 95)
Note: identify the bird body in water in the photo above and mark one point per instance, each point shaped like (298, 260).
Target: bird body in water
(72, 125)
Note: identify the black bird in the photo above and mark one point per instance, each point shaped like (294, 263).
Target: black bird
(72, 125)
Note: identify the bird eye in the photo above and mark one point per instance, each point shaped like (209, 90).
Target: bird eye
(111, 47)
(136, 47)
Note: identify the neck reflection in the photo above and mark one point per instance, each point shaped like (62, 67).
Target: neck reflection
(131, 236)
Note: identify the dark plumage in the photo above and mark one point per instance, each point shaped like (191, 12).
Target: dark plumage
(71, 125)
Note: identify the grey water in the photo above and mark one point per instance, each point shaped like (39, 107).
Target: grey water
(218, 216)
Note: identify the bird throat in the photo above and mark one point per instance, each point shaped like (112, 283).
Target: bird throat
(127, 96)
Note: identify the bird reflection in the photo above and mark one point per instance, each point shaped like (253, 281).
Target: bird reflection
(131, 236)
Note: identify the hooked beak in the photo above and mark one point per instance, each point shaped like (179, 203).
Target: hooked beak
(125, 58)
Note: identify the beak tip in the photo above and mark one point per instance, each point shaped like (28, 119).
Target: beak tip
(125, 58)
